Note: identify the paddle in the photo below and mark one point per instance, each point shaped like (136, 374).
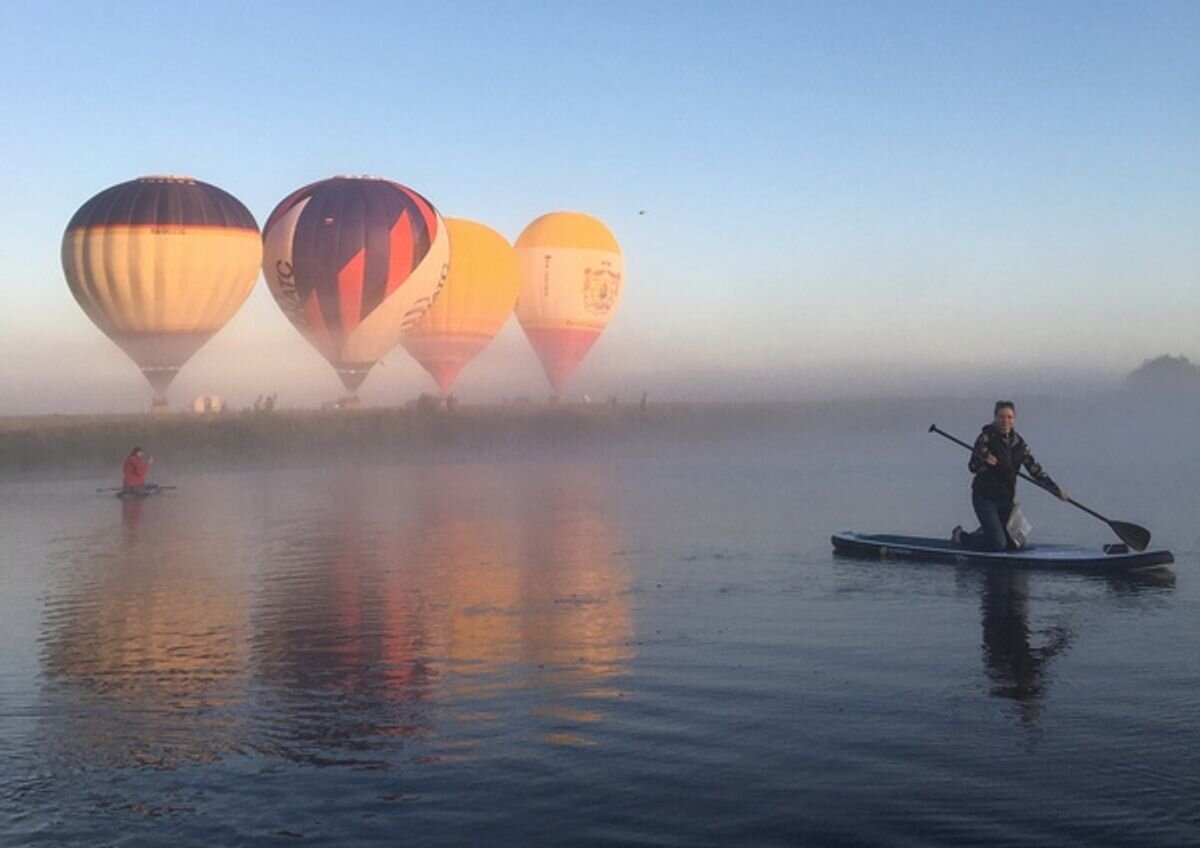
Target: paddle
(1131, 534)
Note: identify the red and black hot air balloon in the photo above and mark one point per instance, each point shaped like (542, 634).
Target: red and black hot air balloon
(353, 262)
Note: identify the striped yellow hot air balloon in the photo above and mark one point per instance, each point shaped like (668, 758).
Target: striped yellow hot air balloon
(160, 264)
(572, 275)
(474, 304)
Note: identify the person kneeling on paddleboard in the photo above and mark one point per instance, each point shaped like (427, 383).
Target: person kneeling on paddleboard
(997, 457)
(133, 475)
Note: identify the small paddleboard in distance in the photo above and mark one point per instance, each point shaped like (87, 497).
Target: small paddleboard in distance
(1109, 558)
(142, 492)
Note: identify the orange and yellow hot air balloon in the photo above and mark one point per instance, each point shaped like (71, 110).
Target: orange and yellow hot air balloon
(474, 304)
(572, 275)
(160, 264)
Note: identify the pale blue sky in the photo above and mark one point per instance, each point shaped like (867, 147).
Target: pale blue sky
(836, 194)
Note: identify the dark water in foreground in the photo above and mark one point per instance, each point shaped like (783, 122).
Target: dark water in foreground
(631, 646)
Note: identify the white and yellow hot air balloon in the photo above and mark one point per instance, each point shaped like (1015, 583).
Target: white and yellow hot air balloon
(572, 276)
(475, 302)
(160, 264)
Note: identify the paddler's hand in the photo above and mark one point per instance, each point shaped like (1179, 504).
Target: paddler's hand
(991, 460)
(1062, 494)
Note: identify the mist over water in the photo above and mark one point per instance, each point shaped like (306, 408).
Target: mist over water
(634, 640)
(87, 374)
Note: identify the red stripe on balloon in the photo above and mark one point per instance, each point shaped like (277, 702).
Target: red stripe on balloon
(400, 252)
(350, 290)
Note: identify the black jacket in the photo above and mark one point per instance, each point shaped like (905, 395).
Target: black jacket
(999, 482)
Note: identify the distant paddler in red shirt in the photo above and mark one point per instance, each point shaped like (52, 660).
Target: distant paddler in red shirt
(133, 479)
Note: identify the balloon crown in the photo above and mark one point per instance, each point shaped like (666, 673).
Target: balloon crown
(167, 178)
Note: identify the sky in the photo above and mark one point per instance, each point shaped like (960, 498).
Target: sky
(838, 197)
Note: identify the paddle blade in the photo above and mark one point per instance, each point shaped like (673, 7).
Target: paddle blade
(1136, 537)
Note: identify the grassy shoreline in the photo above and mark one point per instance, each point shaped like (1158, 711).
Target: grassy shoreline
(82, 442)
(100, 441)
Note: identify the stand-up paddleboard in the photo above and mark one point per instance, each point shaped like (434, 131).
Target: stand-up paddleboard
(1115, 557)
(140, 492)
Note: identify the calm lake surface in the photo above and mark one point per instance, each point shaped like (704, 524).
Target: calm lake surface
(622, 644)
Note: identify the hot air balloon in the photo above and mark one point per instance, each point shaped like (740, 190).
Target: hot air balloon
(353, 262)
(160, 264)
(477, 300)
(572, 274)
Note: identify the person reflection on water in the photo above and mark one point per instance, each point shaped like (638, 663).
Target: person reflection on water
(996, 459)
(1017, 658)
(133, 473)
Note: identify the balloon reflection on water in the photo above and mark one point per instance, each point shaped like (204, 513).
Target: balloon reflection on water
(538, 600)
(440, 606)
(426, 612)
(144, 642)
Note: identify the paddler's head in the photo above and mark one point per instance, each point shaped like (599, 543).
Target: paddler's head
(1005, 416)
(136, 451)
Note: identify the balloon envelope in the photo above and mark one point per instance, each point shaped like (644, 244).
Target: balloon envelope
(353, 262)
(572, 275)
(478, 298)
(160, 264)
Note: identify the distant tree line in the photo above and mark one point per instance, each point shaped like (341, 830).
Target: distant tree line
(1166, 373)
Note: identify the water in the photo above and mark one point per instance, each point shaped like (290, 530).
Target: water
(641, 644)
